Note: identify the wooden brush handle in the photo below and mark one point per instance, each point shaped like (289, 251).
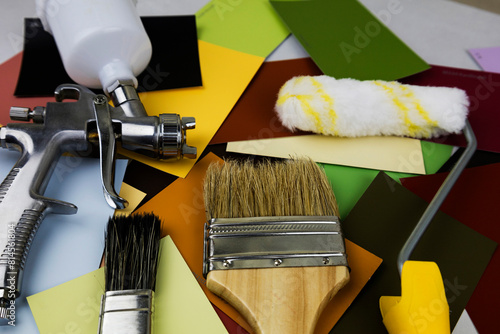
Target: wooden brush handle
(279, 300)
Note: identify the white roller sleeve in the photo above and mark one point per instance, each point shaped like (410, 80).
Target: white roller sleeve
(352, 108)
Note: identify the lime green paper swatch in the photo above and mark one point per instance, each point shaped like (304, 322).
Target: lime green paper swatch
(435, 155)
(348, 41)
(249, 26)
(349, 183)
(73, 307)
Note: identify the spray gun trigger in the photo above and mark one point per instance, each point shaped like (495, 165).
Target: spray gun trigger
(115, 201)
(107, 149)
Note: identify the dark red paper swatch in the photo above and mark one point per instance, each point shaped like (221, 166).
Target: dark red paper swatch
(253, 115)
(381, 222)
(483, 89)
(474, 201)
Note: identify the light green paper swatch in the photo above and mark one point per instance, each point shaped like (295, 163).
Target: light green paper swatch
(73, 307)
(249, 26)
(347, 41)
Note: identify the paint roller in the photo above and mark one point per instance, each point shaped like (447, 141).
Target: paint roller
(353, 108)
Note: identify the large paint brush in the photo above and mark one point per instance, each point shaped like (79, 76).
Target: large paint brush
(273, 244)
(131, 256)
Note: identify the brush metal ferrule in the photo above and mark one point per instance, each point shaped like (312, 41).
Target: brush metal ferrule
(270, 242)
(126, 311)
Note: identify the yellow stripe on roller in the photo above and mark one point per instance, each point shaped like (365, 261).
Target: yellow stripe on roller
(282, 98)
(309, 111)
(421, 111)
(306, 107)
(328, 99)
(305, 101)
(411, 128)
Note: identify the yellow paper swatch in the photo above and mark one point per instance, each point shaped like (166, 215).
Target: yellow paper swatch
(226, 74)
(73, 307)
(133, 196)
(382, 153)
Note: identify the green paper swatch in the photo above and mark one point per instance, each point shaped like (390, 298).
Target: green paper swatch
(73, 307)
(348, 41)
(349, 183)
(250, 26)
(435, 155)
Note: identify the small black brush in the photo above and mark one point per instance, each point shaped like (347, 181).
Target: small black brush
(131, 258)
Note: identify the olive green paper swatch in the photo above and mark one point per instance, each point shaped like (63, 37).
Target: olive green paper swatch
(347, 41)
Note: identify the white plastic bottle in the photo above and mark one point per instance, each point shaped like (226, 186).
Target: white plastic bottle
(100, 42)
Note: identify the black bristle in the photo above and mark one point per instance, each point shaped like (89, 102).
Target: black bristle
(131, 252)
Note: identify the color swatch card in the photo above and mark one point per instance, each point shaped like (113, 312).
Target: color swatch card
(351, 182)
(65, 246)
(251, 27)
(234, 39)
(9, 72)
(134, 198)
(474, 201)
(226, 73)
(377, 152)
(348, 41)
(381, 221)
(487, 58)
(74, 305)
(174, 63)
(181, 206)
(253, 117)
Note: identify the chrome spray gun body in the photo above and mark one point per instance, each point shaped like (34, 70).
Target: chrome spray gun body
(78, 122)
(103, 45)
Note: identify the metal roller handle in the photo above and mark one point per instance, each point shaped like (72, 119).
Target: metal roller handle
(438, 199)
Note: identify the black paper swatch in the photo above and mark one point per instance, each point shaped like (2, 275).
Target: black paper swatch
(174, 64)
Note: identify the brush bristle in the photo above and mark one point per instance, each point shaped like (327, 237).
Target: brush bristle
(131, 252)
(296, 187)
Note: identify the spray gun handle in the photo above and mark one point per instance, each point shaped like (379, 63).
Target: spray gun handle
(23, 207)
(57, 128)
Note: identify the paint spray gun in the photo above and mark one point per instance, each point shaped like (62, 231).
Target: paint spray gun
(103, 45)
